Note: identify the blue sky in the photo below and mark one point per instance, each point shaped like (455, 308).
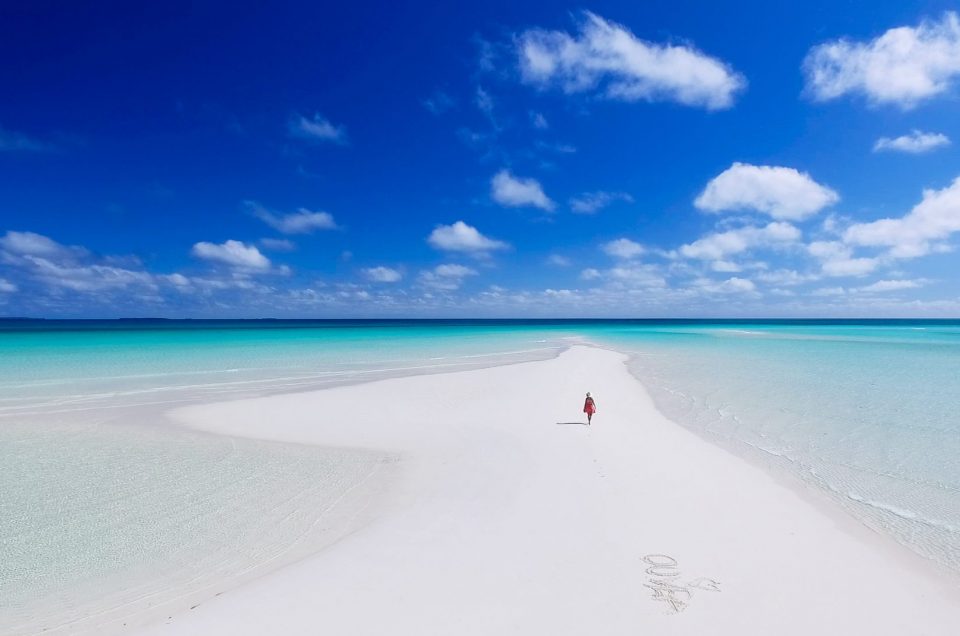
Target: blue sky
(504, 159)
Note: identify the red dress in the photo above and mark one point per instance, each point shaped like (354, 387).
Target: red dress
(588, 406)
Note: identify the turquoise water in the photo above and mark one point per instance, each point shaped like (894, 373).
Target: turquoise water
(869, 413)
(56, 367)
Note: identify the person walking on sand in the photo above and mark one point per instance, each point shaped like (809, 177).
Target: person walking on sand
(589, 407)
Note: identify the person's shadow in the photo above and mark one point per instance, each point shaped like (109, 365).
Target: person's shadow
(571, 423)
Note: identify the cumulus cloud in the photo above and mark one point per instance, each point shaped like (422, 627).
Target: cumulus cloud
(623, 248)
(721, 245)
(56, 266)
(232, 253)
(918, 232)
(317, 129)
(558, 260)
(517, 192)
(383, 274)
(837, 259)
(303, 221)
(784, 277)
(6, 287)
(590, 273)
(608, 58)
(903, 66)
(593, 202)
(447, 277)
(783, 193)
(461, 237)
(915, 143)
(33, 244)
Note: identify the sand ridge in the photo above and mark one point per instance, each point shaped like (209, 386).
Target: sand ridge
(508, 517)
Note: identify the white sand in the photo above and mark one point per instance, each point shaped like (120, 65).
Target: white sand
(504, 522)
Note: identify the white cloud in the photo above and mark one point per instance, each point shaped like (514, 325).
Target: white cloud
(447, 277)
(538, 121)
(233, 253)
(720, 245)
(590, 274)
(784, 277)
(278, 245)
(318, 129)
(733, 285)
(783, 193)
(518, 192)
(915, 143)
(607, 56)
(727, 267)
(916, 233)
(383, 274)
(560, 147)
(6, 286)
(303, 221)
(593, 202)
(829, 291)
(623, 248)
(179, 280)
(646, 276)
(903, 66)
(891, 285)
(836, 259)
(32, 244)
(69, 267)
(86, 278)
(461, 237)
(558, 261)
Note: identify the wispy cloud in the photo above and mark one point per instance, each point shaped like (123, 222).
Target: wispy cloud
(278, 245)
(319, 128)
(721, 245)
(915, 143)
(303, 221)
(593, 202)
(439, 102)
(448, 277)
(609, 58)
(17, 142)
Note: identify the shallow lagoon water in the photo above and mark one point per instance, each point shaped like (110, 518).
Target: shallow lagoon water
(870, 414)
(96, 488)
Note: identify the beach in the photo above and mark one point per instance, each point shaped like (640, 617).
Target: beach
(506, 514)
